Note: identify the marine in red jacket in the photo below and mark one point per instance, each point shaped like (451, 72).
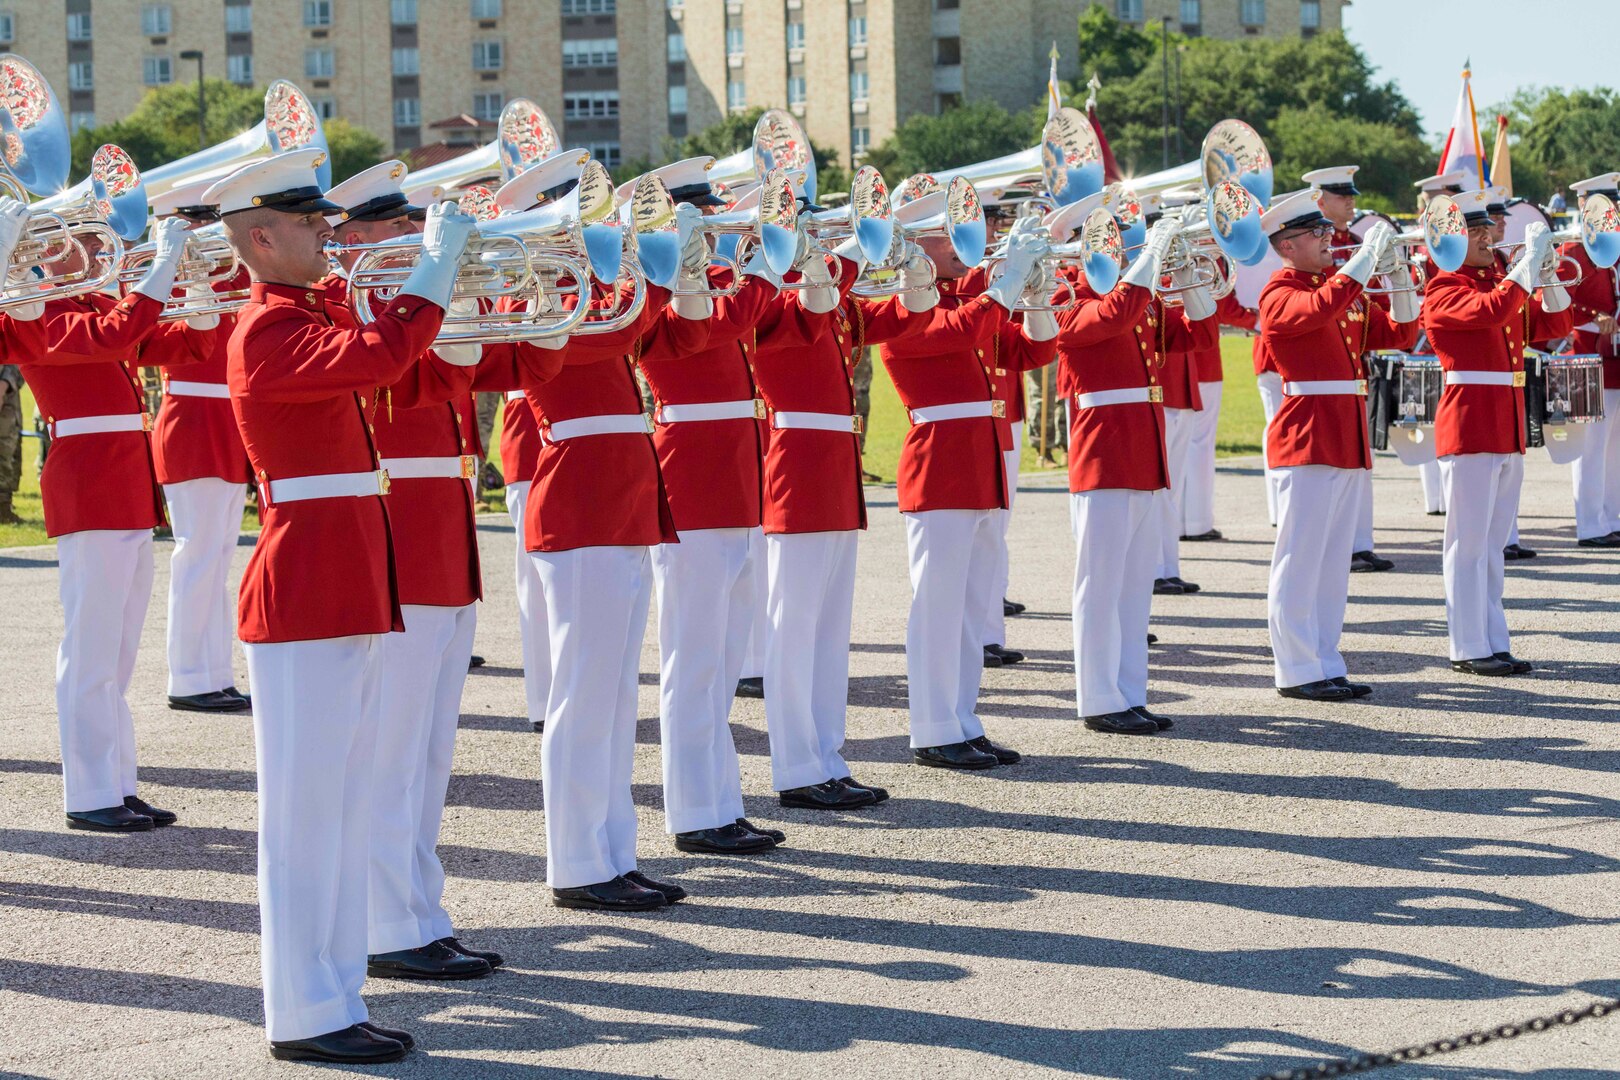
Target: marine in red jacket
(1316, 326)
(1595, 306)
(1479, 321)
(1196, 495)
(80, 357)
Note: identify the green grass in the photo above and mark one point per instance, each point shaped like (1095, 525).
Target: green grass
(27, 502)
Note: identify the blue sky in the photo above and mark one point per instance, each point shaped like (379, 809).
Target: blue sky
(1421, 44)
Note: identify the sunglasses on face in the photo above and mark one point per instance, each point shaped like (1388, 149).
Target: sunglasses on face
(1317, 231)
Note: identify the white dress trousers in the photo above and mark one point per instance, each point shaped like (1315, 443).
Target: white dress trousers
(424, 669)
(1116, 552)
(1482, 502)
(811, 586)
(754, 658)
(1310, 571)
(1197, 492)
(1434, 492)
(316, 707)
(952, 576)
(1363, 540)
(104, 577)
(1269, 384)
(596, 602)
(531, 606)
(1178, 425)
(995, 619)
(207, 518)
(1597, 474)
(707, 597)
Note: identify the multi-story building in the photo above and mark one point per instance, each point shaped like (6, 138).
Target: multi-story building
(620, 77)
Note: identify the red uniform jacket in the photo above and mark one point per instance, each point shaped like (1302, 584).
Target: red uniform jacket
(195, 437)
(813, 477)
(80, 359)
(1478, 321)
(1228, 312)
(520, 439)
(1116, 341)
(1597, 294)
(958, 464)
(303, 384)
(1316, 328)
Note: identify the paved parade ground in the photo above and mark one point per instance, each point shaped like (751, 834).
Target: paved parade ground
(1270, 883)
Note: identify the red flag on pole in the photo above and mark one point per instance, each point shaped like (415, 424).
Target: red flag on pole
(1111, 174)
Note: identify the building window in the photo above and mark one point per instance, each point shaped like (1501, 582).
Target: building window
(1192, 13)
(677, 48)
(734, 41)
(486, 56)
(736, 95)
(860, 140)
(81, 120)
(324, 107)
(857, 31)
(318, 63)
(607, 153)
(677, 99)
(239, 68)
(317, 12)
(407, 62)
(860, 84)
(674, 5)
(795, 35)
(796, 90)
(948, 51)
(8, 28)
(1310, 14)
(402, 12)
(1252, 12)
(81, 75)
(486, 9)
(157, 70)
(596, 105)
(239, 19)
(79, 26)
(407, 112)
(156, 20)
(488, 106)
(1130, 11)
(589, 7)
(590, 52)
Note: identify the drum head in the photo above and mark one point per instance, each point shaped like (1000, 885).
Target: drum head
(1564, 442)
(1366, 219)
(1252, 279)
(1413, 445)
(1520, 216)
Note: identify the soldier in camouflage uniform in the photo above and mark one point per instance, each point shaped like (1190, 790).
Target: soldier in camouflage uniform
(863, 405)
(1039, 383)
(11, 421)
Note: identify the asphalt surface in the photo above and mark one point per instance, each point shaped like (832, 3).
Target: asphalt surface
(1271, 884)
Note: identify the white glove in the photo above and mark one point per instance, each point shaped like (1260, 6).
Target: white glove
(756, 267)
(195, 292)
(1360, 266)
(920, 283)
(20, 282)
(13, 223)
(552, 342)
(1040, 325)
(1024, 255)
(696, 308)
(464, 307)
(1537, 246)
(694, 245)
(816, 270)
(1404, 303)
(1554, 298)
(1196, 304)
(824, 297)
(168, 243)
(850, 251)
(1144, 272)
(444, 238)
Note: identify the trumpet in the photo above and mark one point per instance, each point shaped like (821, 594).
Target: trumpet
(868, 216)
(766, 218)
(1066, 164)
(290, 123)
(953, 213)
(1597, 230)
(34, 129)
(208, 263)
(779, 143)
(525, 136)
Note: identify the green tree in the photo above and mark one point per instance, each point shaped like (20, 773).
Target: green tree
(1111, 48)
(977, 131)
(1559, 136)
(352, 148)
(735, 133)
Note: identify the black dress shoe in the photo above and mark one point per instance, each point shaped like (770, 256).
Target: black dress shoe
(493, 959)
(1365, 562)
(111, 819)
(751, 687)
(878, 794)
(730, 839)
(539, 727)
(1123, 722)
(1320, 690)
(1012, 607)
(1520, 667)
(1008, 656)
(1186, 586)
(354, 1045)
(434, 961)
(159, 817)
(213, 701)
(1514, 552)
(1435, 513)
(775, 834)
(245, 699)
(1485, 665)
(1005, 755)
(1163, 723)
(960, 755)
(401, 1037)
(617, 894)
(1609, 541)
(474, 661)
(1166, 587)
(991, 659)
(1153, 639)
(672, 894)
(1357, 690)
(826, 796)
(1213, 534)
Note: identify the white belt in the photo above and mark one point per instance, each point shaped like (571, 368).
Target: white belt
(327, 486)
(961, 410)
(98, 425)
(817, 421)
(1325, 386)
(1128, 395)
(613, 424)
(181, 388)
(753, 409)
(514, 395)
(464, 467)
(1484, 378)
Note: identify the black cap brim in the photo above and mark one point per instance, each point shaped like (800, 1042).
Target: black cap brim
(305, 200)
(697, 195)
(384, 208)
(1340, 189)
(1304, 221)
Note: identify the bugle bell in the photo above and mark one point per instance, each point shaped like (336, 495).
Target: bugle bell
(1596, 228)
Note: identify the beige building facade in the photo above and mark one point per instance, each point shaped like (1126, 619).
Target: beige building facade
(620, 77)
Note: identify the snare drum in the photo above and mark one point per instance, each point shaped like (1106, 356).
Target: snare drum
(1571, 398)
(1415, 383)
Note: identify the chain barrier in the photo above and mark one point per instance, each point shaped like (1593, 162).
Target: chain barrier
(1367, 1062)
